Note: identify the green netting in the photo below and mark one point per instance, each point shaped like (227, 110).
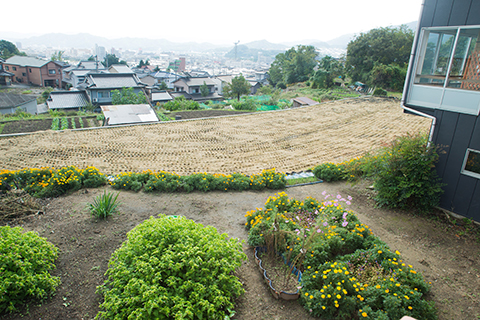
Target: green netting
(204, 106)
(260, 98)
(267, 108)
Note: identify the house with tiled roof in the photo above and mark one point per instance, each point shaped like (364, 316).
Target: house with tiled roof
(99, 86)
(192, 87)
(67, 100)
(10, 102)
(73, 76)
(34, 71)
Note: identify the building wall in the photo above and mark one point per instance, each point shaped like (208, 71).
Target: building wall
(454, 132)
(36, 75)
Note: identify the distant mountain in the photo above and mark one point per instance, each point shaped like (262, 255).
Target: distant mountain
(265, 45)
(85, 40)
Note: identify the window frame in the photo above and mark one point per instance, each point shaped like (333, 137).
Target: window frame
(468, 172)
(440, 97)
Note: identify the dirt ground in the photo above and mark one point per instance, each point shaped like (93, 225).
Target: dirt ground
(288, 140)
(448, 255)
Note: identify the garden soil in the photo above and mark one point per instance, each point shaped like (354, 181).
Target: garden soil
(446, 251)
(448, 255)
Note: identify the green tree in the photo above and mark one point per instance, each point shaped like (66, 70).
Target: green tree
(390, 76)
(57, 56)
(328, 69)
(382, 46)
(128, 96)
(204, 89)
(163, 86)
(142, 63)
(294, 65)
(112, 59)
(238, 87)
(8, 50)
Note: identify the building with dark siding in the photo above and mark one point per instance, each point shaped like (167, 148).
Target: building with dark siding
(443, 83)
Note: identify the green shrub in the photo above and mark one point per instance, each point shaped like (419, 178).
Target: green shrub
(92, 178)
(130, 180)
(404, 174)
(329, 172)
(380, 92)
(172, 268)
(25, 264)
(104, 205)
(248, 105)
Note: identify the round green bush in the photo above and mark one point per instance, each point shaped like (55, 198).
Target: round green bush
(26, 260)
(172, 268)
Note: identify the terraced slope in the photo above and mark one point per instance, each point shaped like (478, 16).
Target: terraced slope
(290, 140)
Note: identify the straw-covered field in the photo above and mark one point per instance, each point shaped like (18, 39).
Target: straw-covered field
(290, 140)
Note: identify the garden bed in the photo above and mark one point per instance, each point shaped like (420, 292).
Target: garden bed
(448, 255)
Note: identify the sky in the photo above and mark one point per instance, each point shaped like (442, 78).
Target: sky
(214, 21)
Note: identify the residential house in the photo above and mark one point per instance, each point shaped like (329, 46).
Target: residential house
(99, 86)
(254, 85)
(73, 76)
(303, 102)
(9, 103)
(119, 68)
(148, 79)
(192, 87)
(5, 77)
(67, 100)
(167, 77)
(160, 97)
(34, 71)
(221, 81)
(443, 84)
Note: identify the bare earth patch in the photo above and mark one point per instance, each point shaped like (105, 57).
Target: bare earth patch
(445, 255)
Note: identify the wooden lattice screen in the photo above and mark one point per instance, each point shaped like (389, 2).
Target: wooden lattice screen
(472, 72)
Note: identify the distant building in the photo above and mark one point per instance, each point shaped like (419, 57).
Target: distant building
(67, 100)
(5, 77)
(178, 65)
(192, 87)
(10, 102)
(34, 71)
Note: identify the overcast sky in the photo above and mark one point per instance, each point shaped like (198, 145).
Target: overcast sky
(215, 21)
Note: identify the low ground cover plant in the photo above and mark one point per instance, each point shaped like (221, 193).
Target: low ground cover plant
(403, 173)
(26, 260)
(348, 273)
(172, 268)
(50, 182)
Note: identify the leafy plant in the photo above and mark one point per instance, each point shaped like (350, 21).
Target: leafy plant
(55, 124)
(64, 123)
(380, 92)
(25, 264)
(172, 268)
(104, 205)
(329, 172)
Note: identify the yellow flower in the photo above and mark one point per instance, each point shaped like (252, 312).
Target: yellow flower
(364, 314)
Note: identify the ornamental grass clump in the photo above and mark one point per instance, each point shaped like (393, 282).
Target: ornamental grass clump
(104, 205)
(26, 261)
(348, 272)
(172, 268)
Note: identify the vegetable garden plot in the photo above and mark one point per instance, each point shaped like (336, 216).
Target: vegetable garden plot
(290, 140)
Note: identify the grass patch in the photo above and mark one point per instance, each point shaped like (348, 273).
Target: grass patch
(295, 181)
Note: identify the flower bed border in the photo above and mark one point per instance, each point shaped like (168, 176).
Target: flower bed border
(278, 294)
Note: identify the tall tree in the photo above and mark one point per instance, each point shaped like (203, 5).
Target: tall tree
(8, 50)
(112, 59)
(238, 87)
(204, 89)
(57, 56)
(382, 46)
(328, 69)
(294, 65)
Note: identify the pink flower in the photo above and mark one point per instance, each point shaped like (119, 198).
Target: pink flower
(324, 193)
(339, 196)
(349, 198)
(348, 203)
(344, 223)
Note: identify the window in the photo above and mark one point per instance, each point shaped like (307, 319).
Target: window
(14, 68)
(450, 57)
(104, 94)
(471, 164)
(51, 71)
(30, 69)
(24, 74)
(7, 68)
